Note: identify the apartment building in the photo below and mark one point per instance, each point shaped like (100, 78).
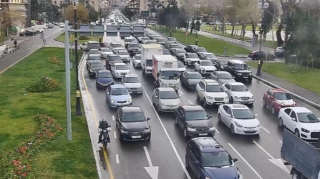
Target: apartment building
(139, 6)
(20, 12)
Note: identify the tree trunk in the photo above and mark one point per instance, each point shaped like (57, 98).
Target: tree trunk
(278, 34)
(253, 28)
(243, 31)
(192, 26)
(232, 30)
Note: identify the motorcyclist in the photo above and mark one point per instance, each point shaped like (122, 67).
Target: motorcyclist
(103, 125)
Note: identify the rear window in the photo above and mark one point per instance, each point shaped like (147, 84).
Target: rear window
(93, 45)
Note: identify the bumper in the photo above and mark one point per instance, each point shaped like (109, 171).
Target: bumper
(246, 131)
(135, 90)
(119, 75)
(243, 77)
(167, 108)
(201, 133)
(216, 102)
(103, 85)
(313, 135)
(244, 101)
(125, 59)
(135, 136)
(191, 86)
(117, 105)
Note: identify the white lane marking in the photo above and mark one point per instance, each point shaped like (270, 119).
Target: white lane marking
(190, 102)
(115, 134)
(270, 156)
(245, 161)
(180, 91)
(113, 117)
(117, 159)
(148, 156)
(217, 131)
(265, 130)
(168, 136)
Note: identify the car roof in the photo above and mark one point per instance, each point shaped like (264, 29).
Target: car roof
(113, 43)
(137, 55)
(208, 144)
(165, 89)
(237, 106)
(94, 55)
(235, 83)
(237, 61)
(113, 55)
(278, 90)
(122, 50)
(131, 109)
(191, 53)
(105, 48)
(210, 81)
(222, 72)
(104, 71)
(131, 75)
(192, 72)
(300, 109)
(95, 61)
(205, 61)
(117, 86)
(119, 64)
(192, 108)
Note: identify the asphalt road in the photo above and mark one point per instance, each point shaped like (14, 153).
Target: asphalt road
(28, 46)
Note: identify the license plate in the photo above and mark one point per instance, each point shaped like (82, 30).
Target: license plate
(202, 134)
(251, 130)
(245, 77)
(136, 137)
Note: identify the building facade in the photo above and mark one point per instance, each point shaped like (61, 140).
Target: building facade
(19, 11)
(150, 6)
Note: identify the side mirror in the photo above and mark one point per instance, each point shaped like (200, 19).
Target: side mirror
(256, 115)
(235, 160)
(148, 118)
(209, 116)
(293, 119)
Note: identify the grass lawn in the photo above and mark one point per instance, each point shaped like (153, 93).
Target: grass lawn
(239, 27)
(213, 45)
(61, 158)
(305, 78)
(60, 38)
(208, 28)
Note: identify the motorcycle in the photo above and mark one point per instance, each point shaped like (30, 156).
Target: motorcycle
(105, 135)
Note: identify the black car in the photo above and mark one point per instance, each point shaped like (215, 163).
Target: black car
(134, 48)
(239, 70)
(92, 57)
(191, 48)
(190, 79)
(201, 50)
(28, 33)
(179, 53)
(93, 68)
(104, 79)
(222, 77)
(194, 121)
(220, 64)
(168, 43)
(132, 124)
(261, 55)
(112, 58)
(115, 45)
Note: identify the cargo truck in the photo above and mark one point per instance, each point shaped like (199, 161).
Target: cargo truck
(165, 71)
(303, 156)
(147, 50)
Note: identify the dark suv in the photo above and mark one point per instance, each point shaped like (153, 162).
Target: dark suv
(206, 158)
(239, 70)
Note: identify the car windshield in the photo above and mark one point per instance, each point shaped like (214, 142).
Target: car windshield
(104, 75)
(195, 76)
(145, 38)
(137, 57)
(106, 50)
(180, 65)
(223, 62)
(132, 80)
(133, 45)
(192, 55)
(168, 95)
(97, 65)
(94, 57)
(114, 58)
(240, 67)
(116, 45)
(238, 88)
(201, 49)
(214, 88)
(161, 40)
(166, 52)
(282, 96)
(174, 46)
(216, 159)
(243, 114)
(225, 76)
(119, 91)
(210, 56)
(94, 51)
(128, 40)
(181, 51)
(307, 118)
(196, 115)
(149, 63)
(205, 63)
(133, 117)
(123, 53)
(121, 67)
(170, 75)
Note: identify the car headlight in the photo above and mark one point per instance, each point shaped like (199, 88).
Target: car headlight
(226, 98)
(123, 131)
(251, 97)
(147, 130)
(209, 97)
(238, 73)
(305, 130)
(236, 97)
(258, 125)
(112, 101)
(129, 100)
(212, 128)
(191, 129)
(237, 124)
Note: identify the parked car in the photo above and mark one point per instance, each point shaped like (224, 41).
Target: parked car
(279, 52)
(28, 33)
(275, 99)
(104, 79)
(190, 79)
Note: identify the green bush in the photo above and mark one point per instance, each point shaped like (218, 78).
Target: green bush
(54, 60)
(44, 84)
(84, 38)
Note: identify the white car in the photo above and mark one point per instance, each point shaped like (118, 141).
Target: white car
(205, 67)
(136, 61)
(124, 55)
(104, 52)
(238, 93)
(165, 99)
(210, 92)
(191, 58)
(119, 70)
(61, 25)
(239, 119)
(132, 83)
(181, 67)
(301, 121)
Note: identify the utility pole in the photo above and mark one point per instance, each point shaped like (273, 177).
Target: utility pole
(78, 96)
(197, 25)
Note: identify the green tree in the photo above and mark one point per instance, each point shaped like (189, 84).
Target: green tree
(268, 18)
(127, 12)
(93, 14)
(35, 9)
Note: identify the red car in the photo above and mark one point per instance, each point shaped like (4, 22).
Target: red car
(275, 99)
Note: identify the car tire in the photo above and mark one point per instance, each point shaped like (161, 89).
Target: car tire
(176, 120)
(148, 139)
(232, 129)
(219, 117)
(297, 133)
(231, 100)
(204, 102)
(280, 122)
(264, 104)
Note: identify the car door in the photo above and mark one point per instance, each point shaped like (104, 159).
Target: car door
(155, 97)
(184, 77)
(224, 114)
(108, 94)
(200, 89)
(227, 89)
(286, 116)
(118, 118)
(292, 121)
(195, 158)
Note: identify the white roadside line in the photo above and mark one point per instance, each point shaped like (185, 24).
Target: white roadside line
(245, 161)
(280, 141)
(265, 129)
(269, 155)
(181, 92)
(115, 134)
(217, 131)
(117, 159)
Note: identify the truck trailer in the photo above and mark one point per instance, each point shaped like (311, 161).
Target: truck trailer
(147, 51)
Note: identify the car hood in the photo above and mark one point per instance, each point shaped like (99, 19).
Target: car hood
(285, 102)
(171, 102)
(194, 81)
(132, 85)
(208, 67)
(122, 71)
(242, 93)
(135, 126)
(227, 80)
(311, 126)
(138, 61)
(107, 53)
(200, 124)
(105, 80)
(193, 59)
(217, 94)
(225, 172)
(120, 97)
(96, 69)
(243, 71)
(248, 122)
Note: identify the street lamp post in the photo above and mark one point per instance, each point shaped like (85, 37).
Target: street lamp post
(263, 5)
(170, 19)
(78, 105)
(197, 21)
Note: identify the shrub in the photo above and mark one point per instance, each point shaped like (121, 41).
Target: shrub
(84, 38)
(17, 163)
(54, 60)
(44, 84)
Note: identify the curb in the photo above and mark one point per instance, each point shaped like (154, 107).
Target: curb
(317, 106)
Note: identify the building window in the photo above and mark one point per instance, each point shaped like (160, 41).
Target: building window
(55, 2)
(92, 2)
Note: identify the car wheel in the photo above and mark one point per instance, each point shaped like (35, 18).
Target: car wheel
(149, 137)
(204, 102)
(232, 129)
(250, 80)
(264, 104)
(280, 122)
(273, 110)
(158, 109)
(219, 117)
(297, 133)
(187, 162)
(185, 132)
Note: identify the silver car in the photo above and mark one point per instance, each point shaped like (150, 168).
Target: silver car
(238, 93)
(132, 83)
(165, 99)
(124, 55)
(222, 77)
(136, 61)
(104, 52)
(191, 58)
